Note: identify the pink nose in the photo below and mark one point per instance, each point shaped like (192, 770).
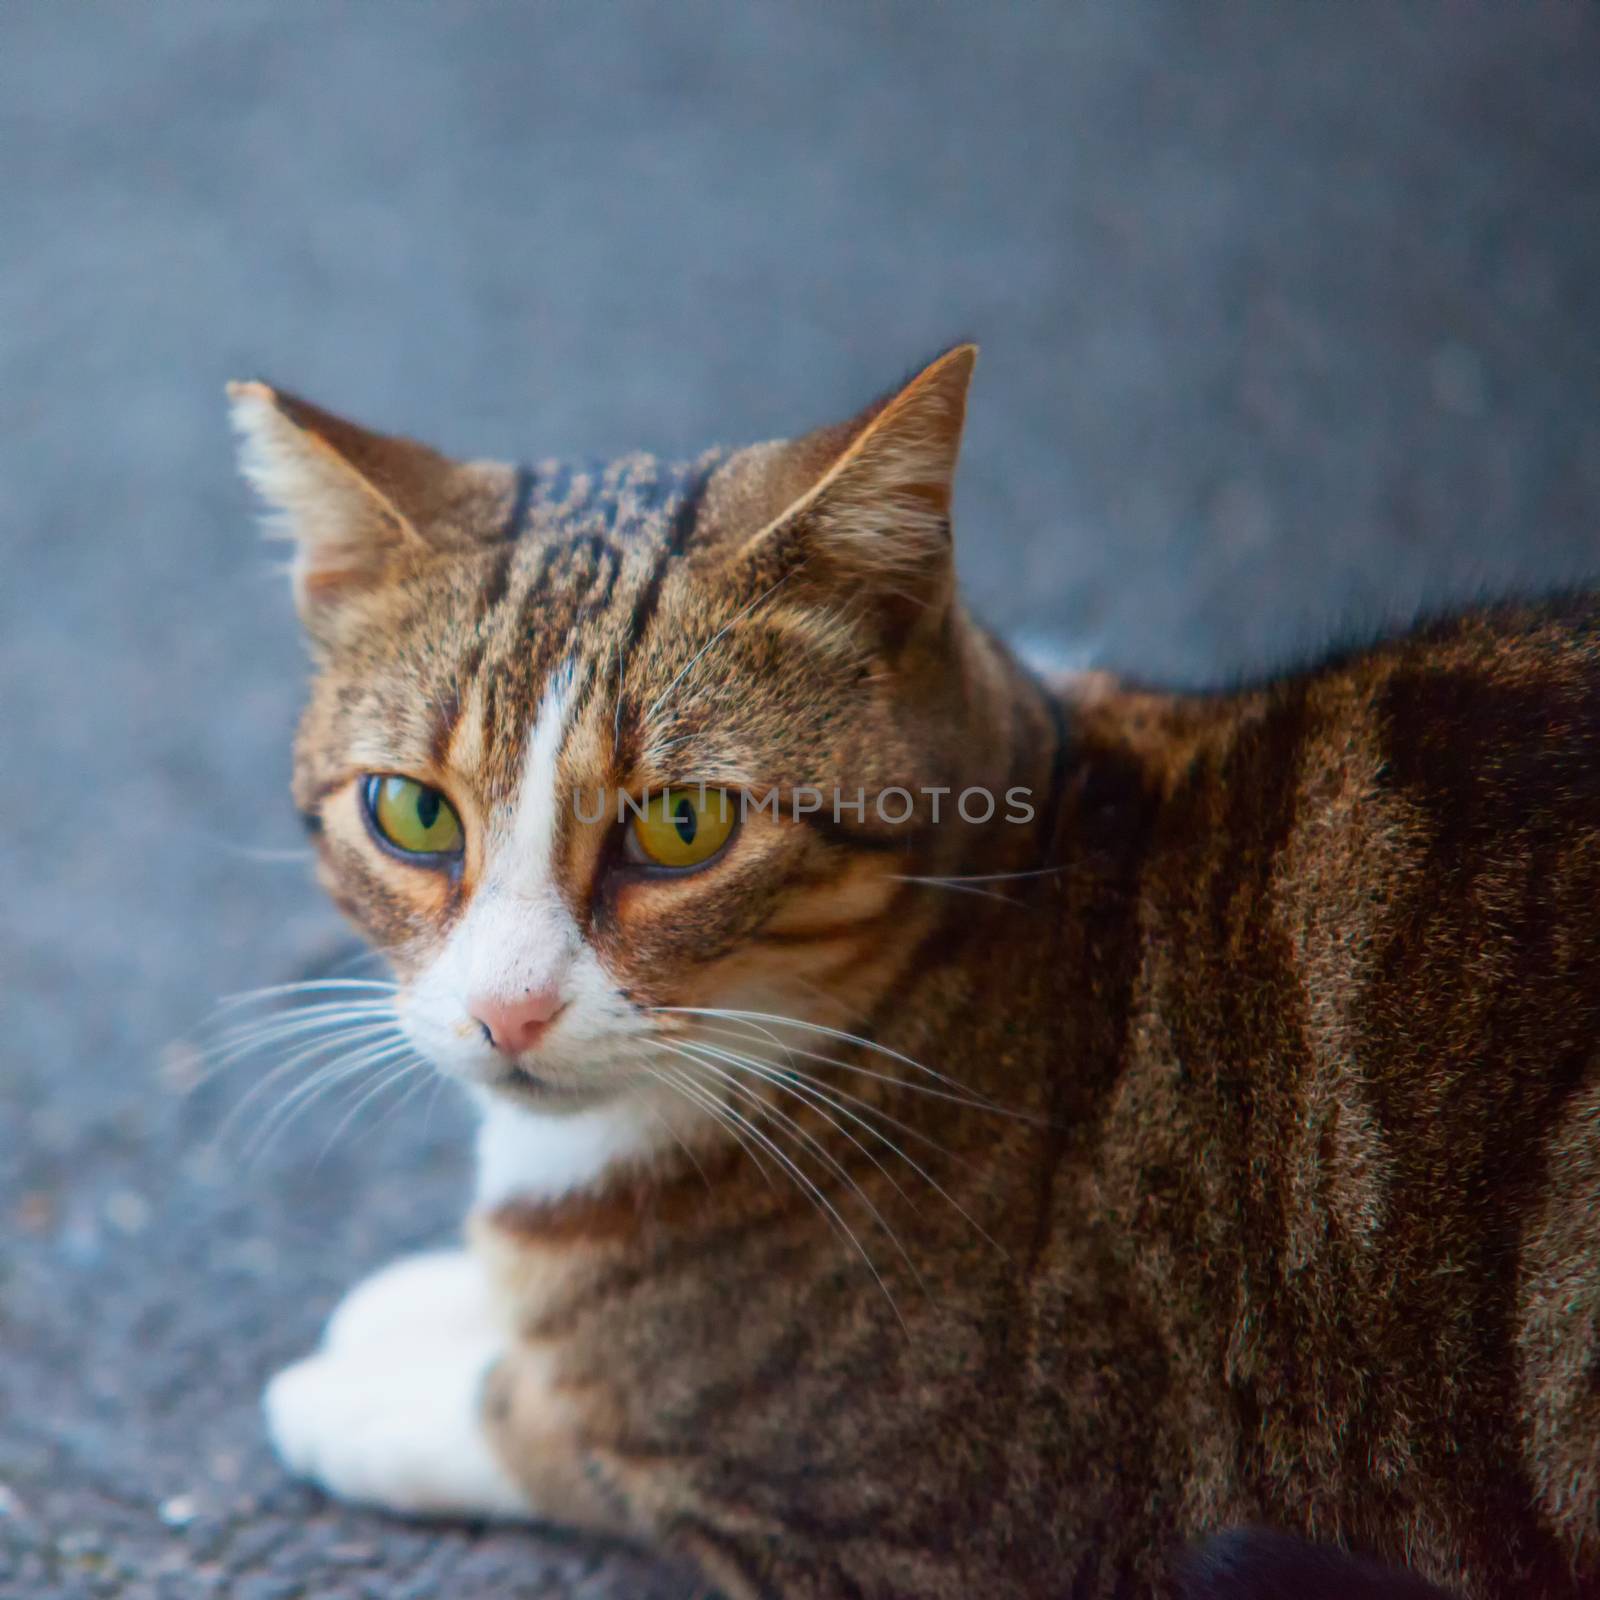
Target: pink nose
(513, 1026)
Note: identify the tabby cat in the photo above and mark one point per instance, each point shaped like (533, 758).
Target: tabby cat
(945, 1133)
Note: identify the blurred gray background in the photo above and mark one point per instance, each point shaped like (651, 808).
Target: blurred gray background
(1291, 322)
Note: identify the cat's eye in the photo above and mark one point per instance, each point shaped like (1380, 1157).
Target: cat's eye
(412, 817)
(681, 827)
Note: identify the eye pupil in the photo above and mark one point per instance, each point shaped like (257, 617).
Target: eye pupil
(415, 819)
(680, 829)
(684, 820)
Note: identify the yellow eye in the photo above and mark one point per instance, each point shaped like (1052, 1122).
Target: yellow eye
(682, 827)
(413, 817)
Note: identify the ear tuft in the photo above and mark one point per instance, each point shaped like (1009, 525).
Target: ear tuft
(266, 458)
(353, 502)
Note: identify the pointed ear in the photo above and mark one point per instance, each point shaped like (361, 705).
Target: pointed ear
(357, 505)
(874, 509)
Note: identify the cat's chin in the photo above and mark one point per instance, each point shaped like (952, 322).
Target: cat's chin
(526, 1088)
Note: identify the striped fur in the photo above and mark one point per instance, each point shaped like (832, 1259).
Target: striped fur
(1244, 1104)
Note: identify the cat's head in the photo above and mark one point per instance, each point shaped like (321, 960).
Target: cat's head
(752, 650)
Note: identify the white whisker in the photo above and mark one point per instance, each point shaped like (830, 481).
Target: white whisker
(386, 1080)
(358, 958)
(294, 1104)
(237, 1043)
(990, 877)
(422, 1083)
(678, 1139)
(775, 1078)
(260, 853)
(803, 1085)
(655, 705)
(821, 1150)
(306, 986)
(957, 888)
(800, 1176)
(674, 1081)
(367, 1033)
(791, 1051)
(955, 1091)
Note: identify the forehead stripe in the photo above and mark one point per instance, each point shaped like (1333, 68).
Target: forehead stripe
(684, 520)
(517, 517)
(683, 525)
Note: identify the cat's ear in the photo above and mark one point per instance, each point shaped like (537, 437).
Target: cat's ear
(867, 504)
(357, 505)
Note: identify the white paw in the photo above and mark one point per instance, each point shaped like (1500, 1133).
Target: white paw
(397, 1428)
(442, 1295)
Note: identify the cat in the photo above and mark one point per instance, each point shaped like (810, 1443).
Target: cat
(1194, 1125)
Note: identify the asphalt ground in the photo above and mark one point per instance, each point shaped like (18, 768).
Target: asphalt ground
(1291, 325)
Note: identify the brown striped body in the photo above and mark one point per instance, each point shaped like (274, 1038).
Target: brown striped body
(1220, 1147)
(1311, 1236)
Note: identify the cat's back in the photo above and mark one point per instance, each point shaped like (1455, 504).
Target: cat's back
(1354, 1141)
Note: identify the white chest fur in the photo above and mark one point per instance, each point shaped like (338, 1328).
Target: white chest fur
(525, 1155)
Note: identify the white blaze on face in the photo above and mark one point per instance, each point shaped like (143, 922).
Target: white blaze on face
(517, 935)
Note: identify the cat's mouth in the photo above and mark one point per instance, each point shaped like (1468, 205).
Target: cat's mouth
(532, 1088)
